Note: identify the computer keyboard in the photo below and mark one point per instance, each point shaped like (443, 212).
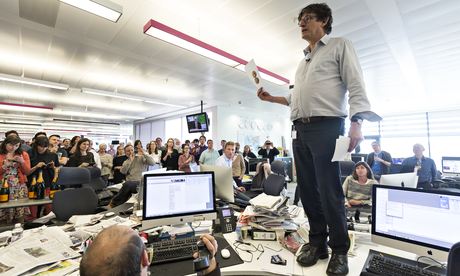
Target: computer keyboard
(173, 250)
(378, 264)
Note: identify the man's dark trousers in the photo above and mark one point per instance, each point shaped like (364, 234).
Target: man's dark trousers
(319, 180)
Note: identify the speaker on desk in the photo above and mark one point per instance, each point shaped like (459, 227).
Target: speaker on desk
(453, 262)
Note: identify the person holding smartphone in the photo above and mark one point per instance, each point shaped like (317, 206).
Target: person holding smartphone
(82, 157)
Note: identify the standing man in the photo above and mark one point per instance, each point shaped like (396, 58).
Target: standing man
(231, 160)
(54, 148)
(201, 148)
(379, 160)
(209, 156)
(222, 145)
(318, 110)
(423, 166)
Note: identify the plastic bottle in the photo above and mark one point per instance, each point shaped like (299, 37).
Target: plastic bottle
(17, 232)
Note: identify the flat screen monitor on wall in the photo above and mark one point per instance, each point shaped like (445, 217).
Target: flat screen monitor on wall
(197, 122)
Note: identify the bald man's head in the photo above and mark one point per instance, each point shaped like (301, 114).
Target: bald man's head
(117, 250)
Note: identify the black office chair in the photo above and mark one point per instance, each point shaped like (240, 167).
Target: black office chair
(274, 184)
(395, 168)
(79, 201)
(346, 169)
(453, 262)
(96, 182)
(73, 177)
(279, 167)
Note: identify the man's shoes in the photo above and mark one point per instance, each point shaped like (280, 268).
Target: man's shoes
(311, 254)
(338, 265)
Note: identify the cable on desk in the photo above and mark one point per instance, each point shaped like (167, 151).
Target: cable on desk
(439, 264)
(251, 250)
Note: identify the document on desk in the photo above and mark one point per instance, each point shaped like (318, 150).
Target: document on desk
(44, 246)
(341, 148)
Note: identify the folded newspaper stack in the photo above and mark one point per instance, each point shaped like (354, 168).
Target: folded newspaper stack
(269, 213)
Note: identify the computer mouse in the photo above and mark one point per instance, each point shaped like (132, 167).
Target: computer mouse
(225, 253)
(109, 214)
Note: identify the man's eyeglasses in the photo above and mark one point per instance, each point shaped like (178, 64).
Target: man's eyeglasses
(306, 19)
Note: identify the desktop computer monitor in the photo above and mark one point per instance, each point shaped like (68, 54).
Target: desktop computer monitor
(224, 181)
(450, 166)
(178, 198)
(424, 222)
(400, 180)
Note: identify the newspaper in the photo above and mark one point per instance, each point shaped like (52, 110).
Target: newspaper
(105, 223)
(36, 248)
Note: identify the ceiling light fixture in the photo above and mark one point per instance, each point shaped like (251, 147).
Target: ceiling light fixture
(125, 97)
(175, 37)
(103, 8)
(34, 82)
(87, 122)
(25, 107)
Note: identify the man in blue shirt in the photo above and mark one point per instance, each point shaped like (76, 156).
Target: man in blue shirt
(379, 160)
(424, 166)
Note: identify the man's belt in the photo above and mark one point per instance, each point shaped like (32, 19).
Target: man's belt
(315, 119)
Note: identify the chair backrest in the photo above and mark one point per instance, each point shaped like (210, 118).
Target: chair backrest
(80, 201)
(346, 167)
(278, 167)
(274, 184)
(71, 176)
(453, 262)
(96, 182)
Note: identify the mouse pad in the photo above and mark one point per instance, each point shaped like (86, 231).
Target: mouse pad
(186, 266)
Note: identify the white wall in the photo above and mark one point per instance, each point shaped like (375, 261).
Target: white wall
(253, 127)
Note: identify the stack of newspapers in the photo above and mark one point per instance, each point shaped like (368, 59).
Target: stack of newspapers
(269, 213)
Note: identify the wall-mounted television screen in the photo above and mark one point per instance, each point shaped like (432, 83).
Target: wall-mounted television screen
(197, 122)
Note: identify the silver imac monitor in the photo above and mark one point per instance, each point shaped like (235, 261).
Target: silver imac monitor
(400, 180)
(450, 166)
(224, 181)
(424, 222)
(178, 198)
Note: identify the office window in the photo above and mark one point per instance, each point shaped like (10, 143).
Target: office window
(173, 129)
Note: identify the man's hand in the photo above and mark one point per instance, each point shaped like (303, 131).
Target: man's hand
(241, 189)
(211, 244)
(263, 94)
(84, 165)
(356, 136)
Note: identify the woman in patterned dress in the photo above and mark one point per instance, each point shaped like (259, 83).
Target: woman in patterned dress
(14, 167)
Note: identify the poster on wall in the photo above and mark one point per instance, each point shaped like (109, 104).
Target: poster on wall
(254, 141)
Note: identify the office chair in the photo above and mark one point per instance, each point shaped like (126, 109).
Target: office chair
(73, 177)
(395, 168)
(346, 169)
(453, 262)
(278, 167)
(79, 201)
(274, 184)
(96, 182)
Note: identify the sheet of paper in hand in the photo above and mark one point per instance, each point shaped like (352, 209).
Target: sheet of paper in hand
(253, 73)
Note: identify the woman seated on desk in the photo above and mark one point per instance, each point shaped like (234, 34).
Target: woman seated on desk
(357, 187)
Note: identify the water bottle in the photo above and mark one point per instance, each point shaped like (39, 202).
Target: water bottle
(16, 234)
(239, 235)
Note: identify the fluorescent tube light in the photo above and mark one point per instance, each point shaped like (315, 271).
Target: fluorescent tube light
(125, 97)
(177, 38)
(29, 81)
(23, 107)
(103, 8)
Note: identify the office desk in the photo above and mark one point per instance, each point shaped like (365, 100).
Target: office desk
(25, 202)
(264, 267)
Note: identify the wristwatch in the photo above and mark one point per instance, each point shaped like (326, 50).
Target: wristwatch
(356, 119)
